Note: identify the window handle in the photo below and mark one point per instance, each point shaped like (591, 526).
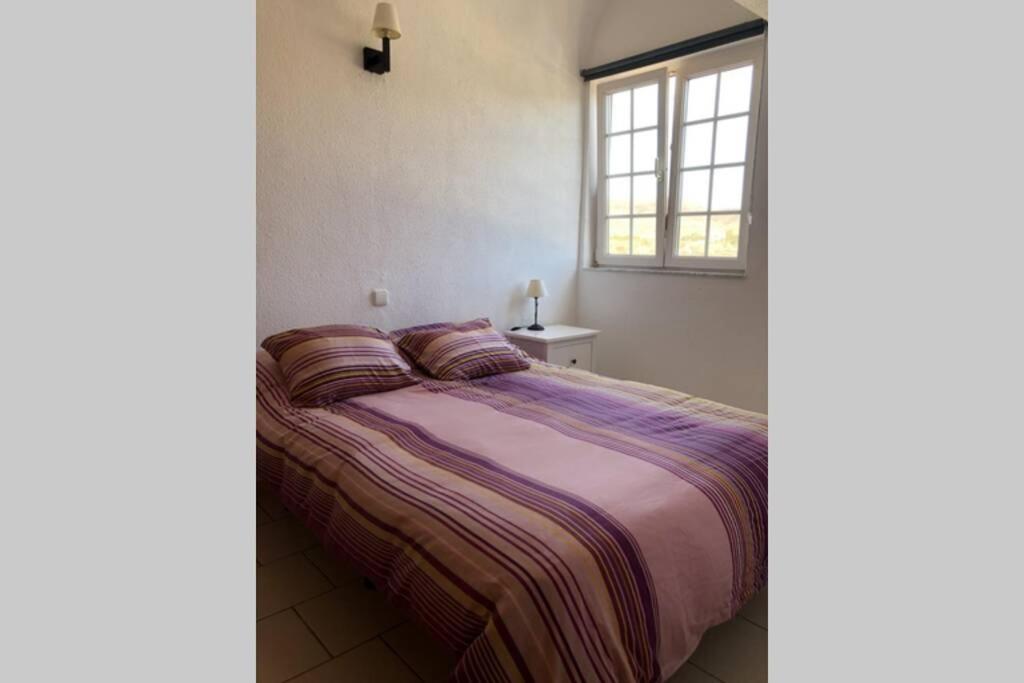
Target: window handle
(657, 169)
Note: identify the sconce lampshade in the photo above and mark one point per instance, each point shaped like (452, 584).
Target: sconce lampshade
(536, 289)
(385, 21)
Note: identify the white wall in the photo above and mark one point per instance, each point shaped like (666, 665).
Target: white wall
(626, 27)
(704, 335)
(450, 181)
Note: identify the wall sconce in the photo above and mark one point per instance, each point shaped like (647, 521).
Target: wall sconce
(385, 27)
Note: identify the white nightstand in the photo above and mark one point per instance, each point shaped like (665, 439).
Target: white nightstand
(572, 347)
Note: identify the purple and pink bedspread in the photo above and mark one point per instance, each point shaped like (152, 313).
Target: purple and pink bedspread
(547, 525)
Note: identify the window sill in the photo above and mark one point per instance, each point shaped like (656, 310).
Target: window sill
(666, 271)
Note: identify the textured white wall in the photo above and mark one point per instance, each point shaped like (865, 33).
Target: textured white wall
(700, 334)
(450, 181)
(627, 27)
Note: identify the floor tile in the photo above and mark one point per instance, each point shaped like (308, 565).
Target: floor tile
(736, 652)
(428, 658)
(285, 648)
(337, 571)
(287, 582)
(757, 609)
(348, 616)
(369, 663)
(281, 538)
(270, 503)
(688, 673)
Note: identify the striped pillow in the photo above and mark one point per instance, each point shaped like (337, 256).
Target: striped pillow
(464, 351)
(325, 364)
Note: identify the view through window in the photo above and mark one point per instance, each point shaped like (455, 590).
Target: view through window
(631, 176)
(716, 117)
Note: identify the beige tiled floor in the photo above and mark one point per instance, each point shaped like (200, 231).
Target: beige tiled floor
(318, 623)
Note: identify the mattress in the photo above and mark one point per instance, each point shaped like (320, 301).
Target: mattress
(546, 525)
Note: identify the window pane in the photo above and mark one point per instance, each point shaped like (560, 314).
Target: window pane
(727, 190)
(697, 145)
(734, 93)
(645, 148)
(618, 196)
(691, 235)
(644, 236)
(700, 97)
(731, 140)
(645, 106)
(618, 154)
(645, 194)
(618, 235)
(724, 236)
(694, 194)
(618, 112)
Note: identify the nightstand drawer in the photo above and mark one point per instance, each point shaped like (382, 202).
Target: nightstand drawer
(572, 355)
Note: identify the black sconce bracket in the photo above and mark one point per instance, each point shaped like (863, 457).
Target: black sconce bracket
(378, 61)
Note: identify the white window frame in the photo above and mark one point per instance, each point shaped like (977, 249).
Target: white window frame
(749, 52)
(695, 66)
(604, 91)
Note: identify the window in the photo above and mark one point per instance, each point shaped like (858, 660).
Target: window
(631, 144)
(696, 216)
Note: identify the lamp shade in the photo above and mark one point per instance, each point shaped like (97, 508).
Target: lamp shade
(385, 21)
(536, 289)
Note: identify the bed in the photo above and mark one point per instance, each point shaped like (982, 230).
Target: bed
(546, 525)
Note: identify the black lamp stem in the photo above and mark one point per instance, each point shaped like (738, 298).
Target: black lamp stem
(536, 326)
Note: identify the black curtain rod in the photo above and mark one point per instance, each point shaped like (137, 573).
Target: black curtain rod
(686, 47)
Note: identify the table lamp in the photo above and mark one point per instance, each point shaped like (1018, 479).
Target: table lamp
(536, 290)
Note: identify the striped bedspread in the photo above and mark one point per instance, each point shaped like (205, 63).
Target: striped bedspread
(547, 525)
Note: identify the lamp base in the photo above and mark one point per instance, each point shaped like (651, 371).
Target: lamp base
(536, 327)
(378, 61)
(373, 61)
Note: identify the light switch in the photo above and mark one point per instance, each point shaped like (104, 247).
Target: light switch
(380, 297)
